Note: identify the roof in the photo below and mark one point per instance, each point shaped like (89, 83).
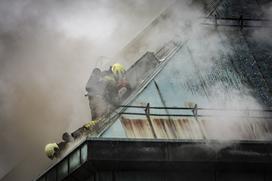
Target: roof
(225, 68)
(211, 88)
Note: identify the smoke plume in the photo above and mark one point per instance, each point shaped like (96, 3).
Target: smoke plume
(47, 52)
(49, 48)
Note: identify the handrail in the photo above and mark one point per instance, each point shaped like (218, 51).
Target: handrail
(237, 19)
(186, 108)
(191, 115)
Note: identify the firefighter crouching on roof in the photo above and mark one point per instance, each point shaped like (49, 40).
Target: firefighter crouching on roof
(53, 150)
(106, 89)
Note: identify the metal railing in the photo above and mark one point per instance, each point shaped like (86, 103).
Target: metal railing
(195, 110)
(239, 22)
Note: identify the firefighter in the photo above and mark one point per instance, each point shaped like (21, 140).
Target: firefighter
(95, 87)
(123, 87)
(85, 129)
(106, 89)
(102, 100)
(53, 150)
(110, 90)
(117, 87)
(94, 80)
(118, 71)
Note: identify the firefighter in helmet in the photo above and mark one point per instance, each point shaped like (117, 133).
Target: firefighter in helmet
(123, 87)
(106, 89)
(53, 150)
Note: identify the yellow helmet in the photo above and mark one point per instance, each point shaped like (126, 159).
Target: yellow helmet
(50, 149)
(118, 69)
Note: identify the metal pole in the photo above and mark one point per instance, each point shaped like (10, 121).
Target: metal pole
(147, 113)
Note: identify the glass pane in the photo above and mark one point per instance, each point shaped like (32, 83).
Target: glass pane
(74, 160)
(42, 179)
(51, 176)
(115, 131)
(91, 178)
(63, 169)
(84, 153)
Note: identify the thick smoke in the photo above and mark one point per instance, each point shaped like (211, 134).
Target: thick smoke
(47, 52)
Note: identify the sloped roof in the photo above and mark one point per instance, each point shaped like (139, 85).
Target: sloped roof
(243, 73)
(177, 86)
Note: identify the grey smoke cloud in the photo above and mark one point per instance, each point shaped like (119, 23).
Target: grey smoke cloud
(47, 51)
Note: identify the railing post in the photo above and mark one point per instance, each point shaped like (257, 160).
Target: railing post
(215, 21)
(241, 21)
(194, 110)
(68, 164)
(147, 112)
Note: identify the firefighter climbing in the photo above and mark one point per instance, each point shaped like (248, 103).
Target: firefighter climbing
(106, 89)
